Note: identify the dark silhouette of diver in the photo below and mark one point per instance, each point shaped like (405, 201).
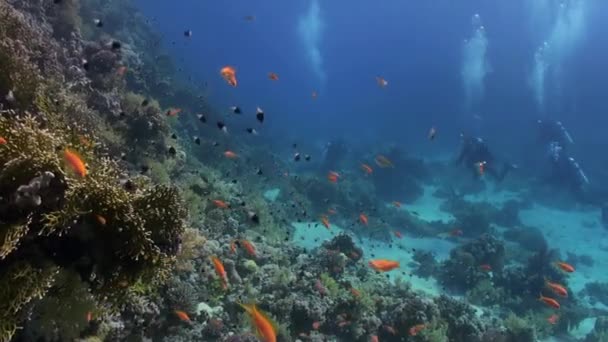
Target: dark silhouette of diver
(476, 156)
(564, 171)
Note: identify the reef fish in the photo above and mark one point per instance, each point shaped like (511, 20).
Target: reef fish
(367, 169)
(383, 162)
(383, 265)
(182, 315)
(249, 247)
(75, 162)
(553, 319)
(265, 328)
(121, 71)
(89, 316)
(333, 176)
(565, 266)
(229, 75)
(363, 219)
(355, 292)
(381, 82)
(398, 234)
(273, 77)
(485, 267)
(549, 301)
(374, 338)
(221, 204)
(230, 155)
(173, 111)
(416, 329)
(2, 141)
(220, 271)
(100, 219)
(325, 222)
(558, 289)
(397, 204)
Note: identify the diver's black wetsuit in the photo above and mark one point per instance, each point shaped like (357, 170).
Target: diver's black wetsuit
(475, 151)
(564, 170)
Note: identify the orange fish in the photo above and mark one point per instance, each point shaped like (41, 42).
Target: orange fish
(363, 219)
(182, 315)
(230, 155)
(383, 265)
(367, 169)
(75, 162)
(549, 301)
(2, 141)
(486, 267)
(316, 325)
(381, 82)
(264, 326)
(249, 247)
(331, 211)
(229, 74)
(221, 204)
(397, 204)
(89, 316)
(432, 133)
(333, 176)
(565, 266)
(220, 271)
(355, 292)
(121, 71)
(325, 222)
(374, 338)
(174, 111)
(553, 319)
(416, 329)
(233, 247)
(100, 219)
(481, 167)
(383, 162)
(314, 94)
(273, 77)
(558, 289)
(398, 234)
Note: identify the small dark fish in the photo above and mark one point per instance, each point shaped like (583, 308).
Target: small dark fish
(249, 18)
(98, 22)
(197, 140)
(188, 33)
(174, 136)
(172, 151)
(122, 115)
(294, 145)
(85, 65)
(215, 144)
(222, 126)
(202, 118)
(144, 168)
(296, 157)
(259, 172)
(235, 109)
(259, 115)
(123, 156)
(56, 1)
(116, 45)
(252, 131)
(307, 157)
(145, 102)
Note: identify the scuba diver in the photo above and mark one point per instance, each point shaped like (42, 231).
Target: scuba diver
(333, 154)
(564, 171)
(476, 156)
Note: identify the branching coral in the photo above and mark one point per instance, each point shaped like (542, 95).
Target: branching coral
(135, 239)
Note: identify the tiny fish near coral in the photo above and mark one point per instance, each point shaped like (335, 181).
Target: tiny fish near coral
(383, 265)
(183, 316)
(565, 266)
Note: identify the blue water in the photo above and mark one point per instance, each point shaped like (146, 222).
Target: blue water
(415, 45)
